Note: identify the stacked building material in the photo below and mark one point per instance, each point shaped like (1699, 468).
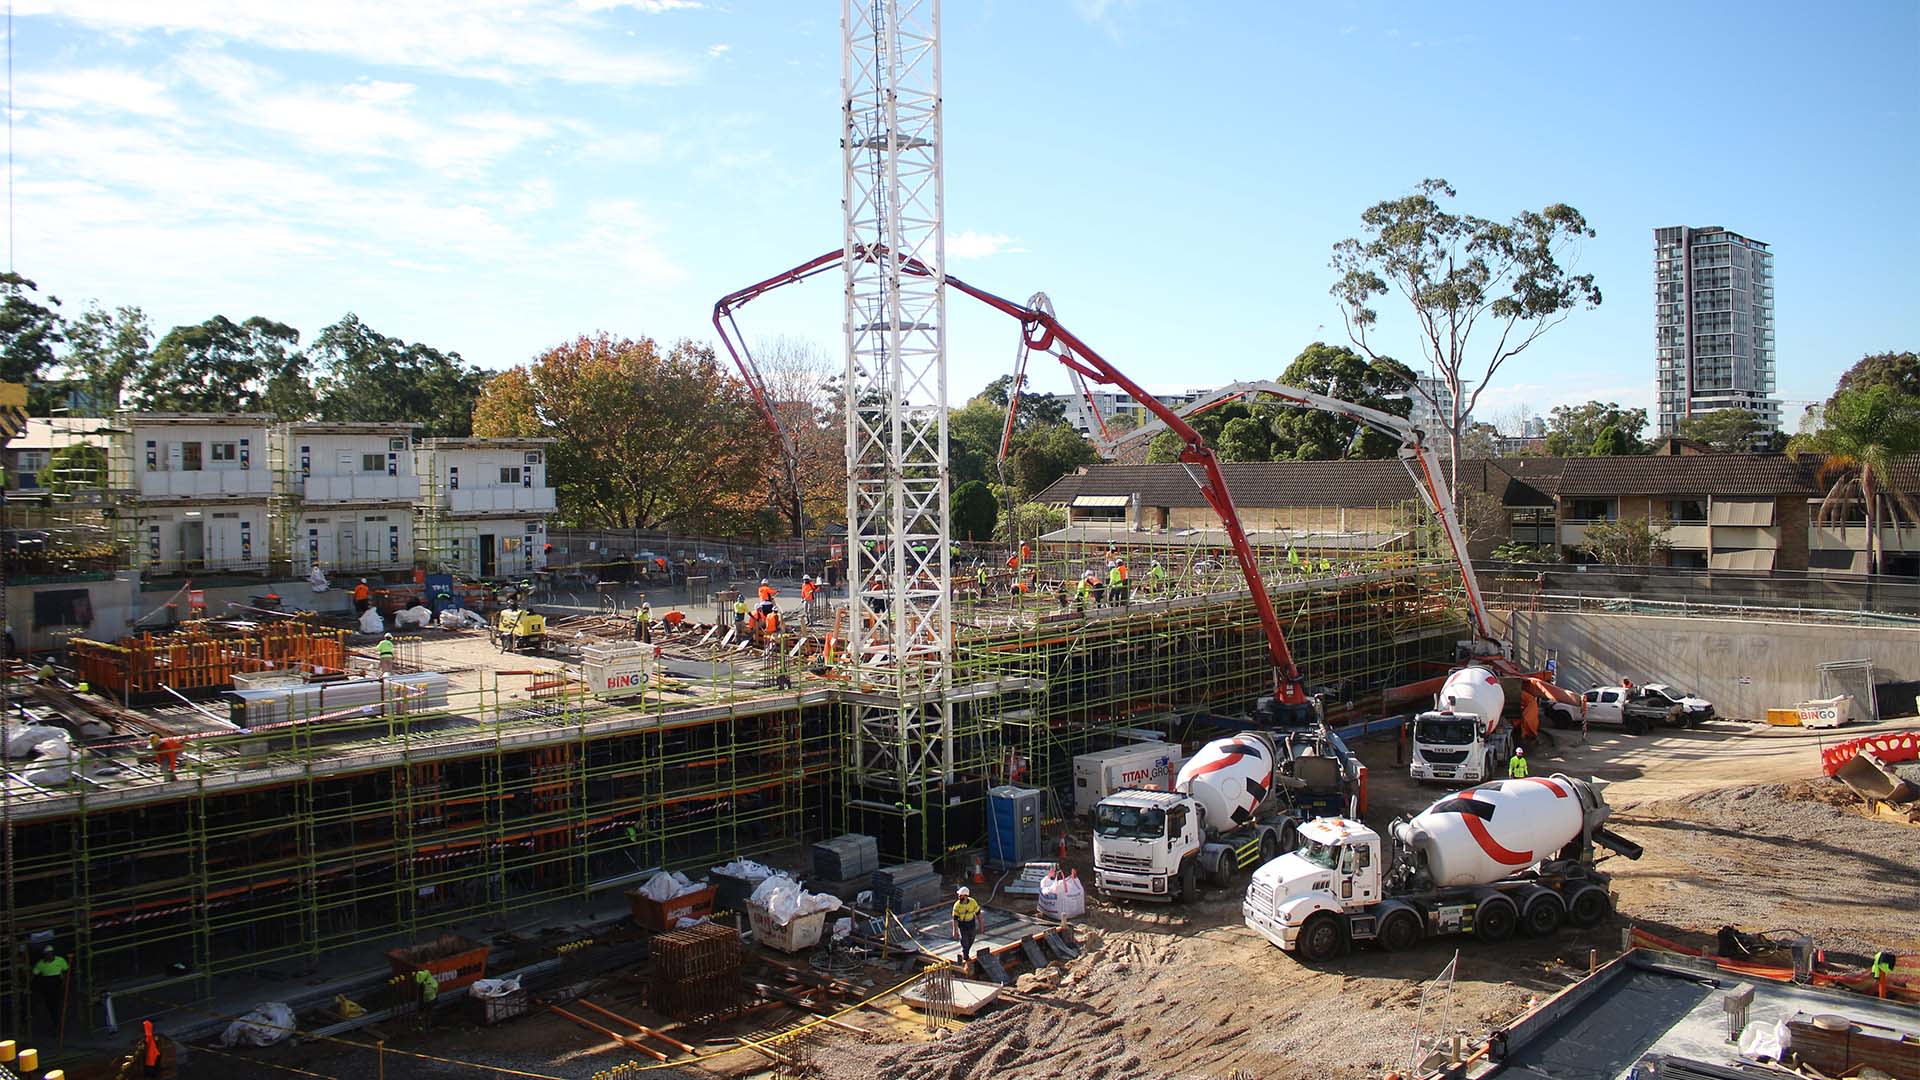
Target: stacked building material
(696, 971)
(907, 887)
(851, 856)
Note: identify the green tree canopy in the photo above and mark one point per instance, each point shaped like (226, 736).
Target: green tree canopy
(369, 376)
(217, 366)
(29, 329)
(975, 511)
(1900, 370)
(1244, 438)
(105, 350)
(1864, 433)
(1576, 430)
(1381, 383)
(1479, 291)
(1043, 448)
(1727, 430)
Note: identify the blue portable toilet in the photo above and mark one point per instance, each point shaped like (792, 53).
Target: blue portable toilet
(1013, 825)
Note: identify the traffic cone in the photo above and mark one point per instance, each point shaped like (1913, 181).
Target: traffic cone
(979, 873)
(1063, 846)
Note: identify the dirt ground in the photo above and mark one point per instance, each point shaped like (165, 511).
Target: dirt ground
(1731, 838)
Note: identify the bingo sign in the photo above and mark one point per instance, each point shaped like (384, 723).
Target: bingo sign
(620, 676)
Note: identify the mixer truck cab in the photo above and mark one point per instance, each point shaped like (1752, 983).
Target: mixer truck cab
(1224, 817)
(1466, 738)
(1506, 856)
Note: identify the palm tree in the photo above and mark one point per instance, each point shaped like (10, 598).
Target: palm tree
(1864, 434)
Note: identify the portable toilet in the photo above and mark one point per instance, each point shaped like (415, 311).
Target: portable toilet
(1013, 825)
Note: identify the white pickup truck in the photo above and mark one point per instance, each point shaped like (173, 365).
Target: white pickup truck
(1638, 708)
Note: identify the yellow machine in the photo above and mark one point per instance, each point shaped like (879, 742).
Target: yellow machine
(520, 630)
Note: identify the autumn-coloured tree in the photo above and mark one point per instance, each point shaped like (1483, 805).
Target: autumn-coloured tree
(644, 439)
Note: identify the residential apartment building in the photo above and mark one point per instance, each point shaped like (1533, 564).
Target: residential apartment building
(191, 491)
(1433, 407)
(485, 505)
(1713, 325)
(345, 497)
(1079, 411)
(1754, 512)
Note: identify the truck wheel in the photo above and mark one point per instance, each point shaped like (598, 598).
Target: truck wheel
(1400, 931)
(1634, 725)
(1229, 866)
(1589, 907)
(1495, 919)
(1189, 882)
(1269, 847)
(1564, 720)
(1290, 838)
(1545, 914)
(1320, 939)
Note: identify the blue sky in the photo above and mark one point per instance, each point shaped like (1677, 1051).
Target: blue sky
(495, 176)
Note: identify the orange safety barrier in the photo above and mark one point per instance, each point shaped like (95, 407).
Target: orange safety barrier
(1888, 746)
(198, 660)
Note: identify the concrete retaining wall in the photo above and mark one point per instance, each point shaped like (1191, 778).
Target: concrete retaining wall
(1743, 667)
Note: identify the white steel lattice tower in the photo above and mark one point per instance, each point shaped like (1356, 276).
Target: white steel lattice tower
(901, 632)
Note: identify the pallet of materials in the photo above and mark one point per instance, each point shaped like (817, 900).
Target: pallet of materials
(845, 857)
(907, 887)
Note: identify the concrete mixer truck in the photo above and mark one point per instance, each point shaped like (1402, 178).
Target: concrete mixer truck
(1504, 856)
(1466, 737)
(1236, 803)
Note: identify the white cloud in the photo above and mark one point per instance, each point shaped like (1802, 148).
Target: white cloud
(979, 245)
(95, 90)
(717, 51)
(508, 41)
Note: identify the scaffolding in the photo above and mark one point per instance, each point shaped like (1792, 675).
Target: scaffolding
(295, 839)
(323, 491)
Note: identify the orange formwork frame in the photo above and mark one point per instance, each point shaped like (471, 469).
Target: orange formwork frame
(197, 660)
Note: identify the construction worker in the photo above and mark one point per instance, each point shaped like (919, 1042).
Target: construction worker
(1097, 586)
(966, 924)
(50, 985)
(1117, 580)
(1882, 970)
(643, 623)
(362, 597)
(429, 991)
(149, 1049)
(739, 614)
(1517, 764)
(1082, 591)
(809, 589)
(385, 649)
(980, 580)
(1156, 578)
(673, 618)
(766, 590)
(770, 622)
(166, 752)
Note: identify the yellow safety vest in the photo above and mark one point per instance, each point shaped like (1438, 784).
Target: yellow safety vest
(966, 909)
(1517, 768)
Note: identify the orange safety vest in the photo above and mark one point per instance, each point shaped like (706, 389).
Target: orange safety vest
(1123, 571)
(361, 592)
(807, 590)
(153, 1045)
(766, 593)
(773, 622)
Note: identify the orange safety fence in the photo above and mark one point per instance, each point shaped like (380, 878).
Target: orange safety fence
(198, 660)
